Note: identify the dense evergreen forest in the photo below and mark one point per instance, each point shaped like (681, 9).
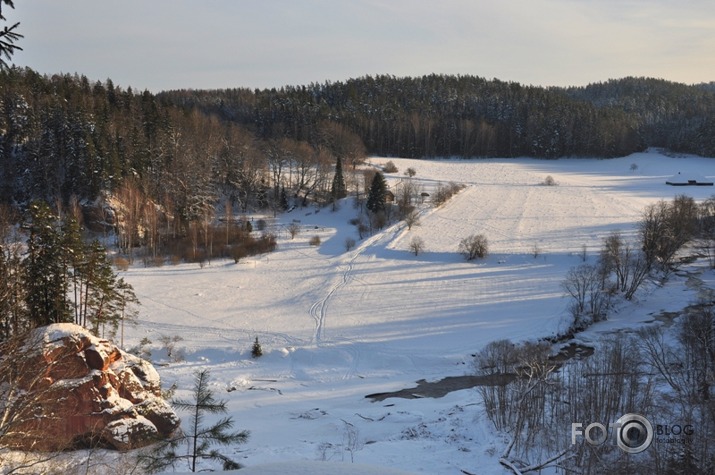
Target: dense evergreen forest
(467, 116)
(64, 137)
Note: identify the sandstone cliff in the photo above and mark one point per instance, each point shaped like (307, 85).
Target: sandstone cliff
(63, 388)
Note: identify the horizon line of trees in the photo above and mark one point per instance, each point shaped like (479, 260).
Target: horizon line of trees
(469, 116)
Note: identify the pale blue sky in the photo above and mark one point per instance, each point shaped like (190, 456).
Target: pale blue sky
(170, 44)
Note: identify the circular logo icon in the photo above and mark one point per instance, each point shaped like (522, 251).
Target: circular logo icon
(634, 433)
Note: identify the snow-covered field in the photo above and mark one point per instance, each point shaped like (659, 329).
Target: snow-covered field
(337, 325)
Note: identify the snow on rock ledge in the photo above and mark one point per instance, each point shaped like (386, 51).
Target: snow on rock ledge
(73, 390)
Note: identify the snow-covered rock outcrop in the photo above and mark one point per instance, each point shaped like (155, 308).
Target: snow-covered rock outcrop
(65, 389)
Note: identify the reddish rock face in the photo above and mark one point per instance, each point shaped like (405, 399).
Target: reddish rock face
(74, 390)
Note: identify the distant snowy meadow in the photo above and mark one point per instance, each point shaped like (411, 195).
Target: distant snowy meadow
(336, 325)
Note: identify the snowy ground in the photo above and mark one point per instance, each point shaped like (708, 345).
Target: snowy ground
(336, 326)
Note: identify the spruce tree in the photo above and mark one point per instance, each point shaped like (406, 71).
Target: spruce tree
(8, 37)
(284, 199)
(338, 190)
(376, 196)
(198, 437)
(256, 350)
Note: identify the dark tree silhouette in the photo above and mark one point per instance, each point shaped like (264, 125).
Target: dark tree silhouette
(338, 190)
(377, 193)
(8, 37)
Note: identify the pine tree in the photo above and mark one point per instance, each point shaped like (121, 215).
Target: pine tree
(377, 193)
(338, 190)
(104, 297)
(46, 269)
(68, 280)
(13, 315)
(74, 251)
(199, 438)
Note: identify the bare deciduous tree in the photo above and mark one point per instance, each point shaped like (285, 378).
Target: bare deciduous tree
(522, 402)
(706, 228)
(412, 219)
(589, 300)
(630, 266)
(293, 230)
(131, 201)
(474, 246)
(417, 245)
(666, 227)
(390, 167)
(407, 193)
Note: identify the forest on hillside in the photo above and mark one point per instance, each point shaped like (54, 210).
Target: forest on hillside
(468, 116)
(64, 137)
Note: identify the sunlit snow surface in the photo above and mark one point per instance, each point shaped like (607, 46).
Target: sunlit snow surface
(336, 325)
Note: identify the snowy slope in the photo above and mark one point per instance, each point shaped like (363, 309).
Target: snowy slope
(336, 326)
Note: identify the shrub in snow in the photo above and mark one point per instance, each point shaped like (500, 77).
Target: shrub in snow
(238, 252)
(121, 263)
(169, 346)
(474, 246)
(444, 192)
(390, 167)
(549, 181)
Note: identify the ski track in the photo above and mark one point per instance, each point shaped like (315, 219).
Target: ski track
(319, 309)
